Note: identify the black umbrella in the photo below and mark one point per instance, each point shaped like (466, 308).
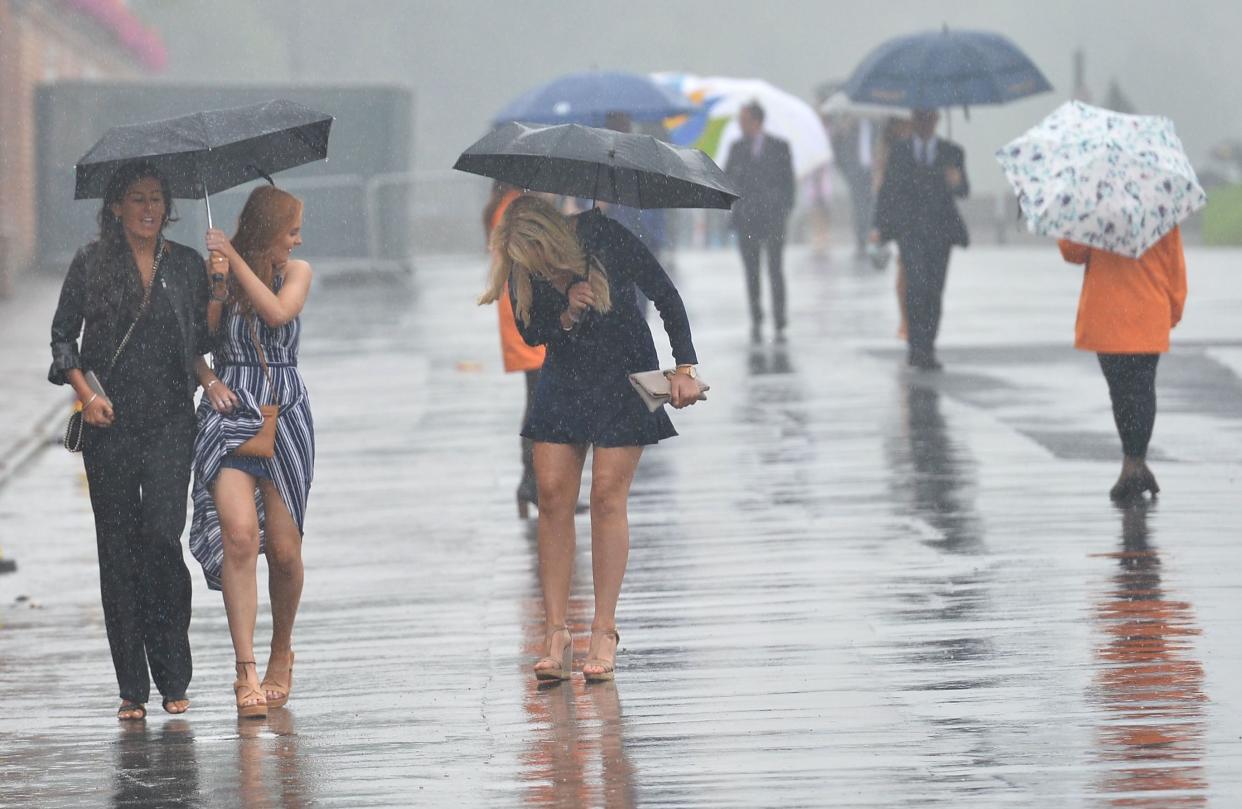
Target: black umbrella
(582, 161)
(207, 152)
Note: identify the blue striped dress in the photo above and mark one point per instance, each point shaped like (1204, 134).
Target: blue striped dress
(236, 362)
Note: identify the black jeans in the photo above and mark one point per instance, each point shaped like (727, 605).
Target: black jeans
(1132, 387)
(750, 246)
(927, 267)
(139, 476)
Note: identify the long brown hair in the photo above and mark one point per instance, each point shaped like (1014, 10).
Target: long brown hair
(533, 238)
(268, 214)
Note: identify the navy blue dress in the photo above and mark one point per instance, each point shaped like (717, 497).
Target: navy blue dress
(584, 394)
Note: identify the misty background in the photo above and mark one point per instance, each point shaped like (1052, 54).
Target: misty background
(464, 60)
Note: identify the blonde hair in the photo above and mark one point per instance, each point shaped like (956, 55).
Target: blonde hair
(269, 213)
(533, 238)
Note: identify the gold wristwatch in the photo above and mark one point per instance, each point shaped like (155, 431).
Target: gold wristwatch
(687, 370)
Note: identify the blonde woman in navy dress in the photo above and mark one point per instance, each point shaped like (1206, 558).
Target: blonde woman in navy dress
(572, 284)
(244, 505)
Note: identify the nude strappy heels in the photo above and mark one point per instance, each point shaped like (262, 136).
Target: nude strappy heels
(607, 667)
(554, 668)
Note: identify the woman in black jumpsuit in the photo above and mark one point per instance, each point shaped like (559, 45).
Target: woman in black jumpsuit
(139, 434)
(572, 283)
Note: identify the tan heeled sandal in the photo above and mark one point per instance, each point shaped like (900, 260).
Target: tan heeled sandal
(552, 668)
(609, 667)
(270, 683)
(251, 704)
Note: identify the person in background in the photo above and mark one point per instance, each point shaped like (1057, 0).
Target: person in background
(895, 131)
(139, 304)
(571, 282)
(518, 357)
(761, 167)
(1126, 310)
(817, 191)
(854, 146)
(916, 207)
(246, 505)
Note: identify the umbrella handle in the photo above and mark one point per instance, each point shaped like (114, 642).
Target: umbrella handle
(207, 199)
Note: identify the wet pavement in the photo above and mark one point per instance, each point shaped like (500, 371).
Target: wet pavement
(850, 584)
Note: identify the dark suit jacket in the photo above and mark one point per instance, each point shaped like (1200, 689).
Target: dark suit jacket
(915, 206)
(766, 184)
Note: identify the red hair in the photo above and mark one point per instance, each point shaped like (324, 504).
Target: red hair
(269, 213)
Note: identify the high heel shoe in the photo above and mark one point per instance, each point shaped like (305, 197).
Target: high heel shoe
(607, 667)
(527, 496)
(1135, 479)
(554, 668)
(251, 704)
(270, 683)
(1149, 480)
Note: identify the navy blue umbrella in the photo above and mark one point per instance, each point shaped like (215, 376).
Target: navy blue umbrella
(587, 98)
(945, 69)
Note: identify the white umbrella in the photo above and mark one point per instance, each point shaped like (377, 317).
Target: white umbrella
(785, 116)
(1111, 181)
(840, 104)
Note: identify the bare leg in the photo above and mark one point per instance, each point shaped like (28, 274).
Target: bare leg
(612, 473)
(558, 469)
(239, 524)
(283, 546)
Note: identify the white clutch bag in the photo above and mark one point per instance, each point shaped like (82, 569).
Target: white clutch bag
(653, 387)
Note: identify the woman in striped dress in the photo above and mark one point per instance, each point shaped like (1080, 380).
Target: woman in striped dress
(246, 505)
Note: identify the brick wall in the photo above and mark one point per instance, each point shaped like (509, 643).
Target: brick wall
(40, 42)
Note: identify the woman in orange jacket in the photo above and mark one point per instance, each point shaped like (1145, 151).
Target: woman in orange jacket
(1125, 313)
(518, 356)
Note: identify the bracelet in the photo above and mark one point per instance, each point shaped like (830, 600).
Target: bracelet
(94, 396)
(209, 384)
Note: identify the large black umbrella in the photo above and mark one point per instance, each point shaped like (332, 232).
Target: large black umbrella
(207, 152)
(582, 161)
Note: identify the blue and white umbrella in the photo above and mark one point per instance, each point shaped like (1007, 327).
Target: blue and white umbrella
(1100, 178)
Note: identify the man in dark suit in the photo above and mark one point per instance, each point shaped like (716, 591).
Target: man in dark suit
(916, 207)
(761, 168)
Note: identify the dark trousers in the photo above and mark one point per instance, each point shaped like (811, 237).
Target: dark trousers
(750, 245)
(927, 267)
(1132, 387)
(139, 476)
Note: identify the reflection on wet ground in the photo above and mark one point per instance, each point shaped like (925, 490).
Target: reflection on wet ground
(850, 584)
(1152, 735)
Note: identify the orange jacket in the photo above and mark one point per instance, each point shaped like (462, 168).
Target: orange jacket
(1128, 305)
(518, 356)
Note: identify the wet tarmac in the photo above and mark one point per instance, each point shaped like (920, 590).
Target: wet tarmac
(850, 584)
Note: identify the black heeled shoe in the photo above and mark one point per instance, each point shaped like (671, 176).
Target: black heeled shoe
(527, 496)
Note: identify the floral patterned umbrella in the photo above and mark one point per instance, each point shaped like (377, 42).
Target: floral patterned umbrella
(1111, 181)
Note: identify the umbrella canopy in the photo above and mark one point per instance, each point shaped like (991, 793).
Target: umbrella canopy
(588, 98)
(211, 151)
(1112, 181)
(840, 104)
(714, 128)
(945, 69)
(581, 161)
